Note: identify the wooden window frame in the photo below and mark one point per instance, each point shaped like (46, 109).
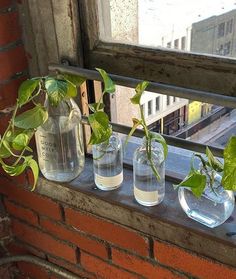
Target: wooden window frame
(204, 72)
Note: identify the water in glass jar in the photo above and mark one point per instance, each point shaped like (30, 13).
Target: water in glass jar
(212, 209)
(60, 150)
(108, 164)
(148, 190)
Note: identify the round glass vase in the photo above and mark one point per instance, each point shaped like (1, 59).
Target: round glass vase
(108, 164)
(214, 206)
(59, 142)
(148, 190)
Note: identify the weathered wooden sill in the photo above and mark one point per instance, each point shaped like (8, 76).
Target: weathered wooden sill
(166, 221)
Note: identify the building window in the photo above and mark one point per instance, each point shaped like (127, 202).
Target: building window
(183, 43)
(176, 43)
(174, 99)
(149, 108)
(220, 50)
(167, 100)
(157, 103)
(229, 26)
(169, 44)
(221, 30)
(227, 48)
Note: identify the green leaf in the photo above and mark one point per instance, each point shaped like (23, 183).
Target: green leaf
(99, 123)
(35, 170)
(56, 90)
(76, 80)
(94, 107)
(4, 152)
(213, 162)
(136, 123)
(229, 174)
(32, 118)
(71, 90)
(159, 138)
(109, 85)
(14, 170)
(140, 88)
(195, 181)
(20, 141)
(26, 90)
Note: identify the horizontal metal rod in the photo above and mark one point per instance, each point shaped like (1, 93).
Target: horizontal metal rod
(156, 87)
(178, 142)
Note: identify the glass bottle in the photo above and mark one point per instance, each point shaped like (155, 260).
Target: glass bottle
(213, 208)
(108, 163)
(59, 142)
(148, 190)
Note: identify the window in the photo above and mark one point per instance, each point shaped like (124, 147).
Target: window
(183, 43)
(167, 100)
(229, 26)
(227, 48)
(176, 43)
(157, 103)
(169, 45)
(174, 99)
(149, 108)
(221, 30)
(143, 108)
(116, 47)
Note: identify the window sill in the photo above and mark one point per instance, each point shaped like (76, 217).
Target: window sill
(166, 221)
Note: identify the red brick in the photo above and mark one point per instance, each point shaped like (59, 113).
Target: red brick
(4, 227)
(180, 259)
(76, 269)
(9, 28)
(9, 92)
(144, 268)
(111, 232)
(12, 62)
(19, 248)
(103, 269)
(33, 271)
(43, 241)
(83, 242)
(29, 199)
(22, 213)
(5, 3)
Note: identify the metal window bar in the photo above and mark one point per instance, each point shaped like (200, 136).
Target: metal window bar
(166, 89)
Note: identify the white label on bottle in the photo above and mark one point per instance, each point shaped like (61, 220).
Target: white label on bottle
(109, 181)
(46, 145)
(146, 196)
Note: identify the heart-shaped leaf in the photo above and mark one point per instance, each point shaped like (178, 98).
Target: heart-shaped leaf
(229, 174)
(109, 86)
(99, 123)
(56, 90)
(32, 118)
(213, 162)
(26, 90)
(140, 88)
(76, 80)
(20, 141)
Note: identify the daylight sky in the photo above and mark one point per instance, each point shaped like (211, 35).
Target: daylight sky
(158, 18)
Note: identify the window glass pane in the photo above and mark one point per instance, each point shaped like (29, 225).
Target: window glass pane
(203, 26)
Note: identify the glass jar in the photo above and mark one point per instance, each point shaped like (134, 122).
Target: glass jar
(59, 142)
(108, 163)
(213, 208)
(148, 190)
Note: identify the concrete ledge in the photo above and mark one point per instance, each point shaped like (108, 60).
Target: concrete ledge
(166, 221)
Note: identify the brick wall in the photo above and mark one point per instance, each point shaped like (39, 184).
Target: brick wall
(87, 245)
(91, 246)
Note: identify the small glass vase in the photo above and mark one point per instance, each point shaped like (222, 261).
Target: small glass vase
(59, 142)
(108, 164)
(213, 208)
(148, 190)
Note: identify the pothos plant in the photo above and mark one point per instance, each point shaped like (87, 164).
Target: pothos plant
(15, 152)
(99, 120)
(150, 136)
(198, 179)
